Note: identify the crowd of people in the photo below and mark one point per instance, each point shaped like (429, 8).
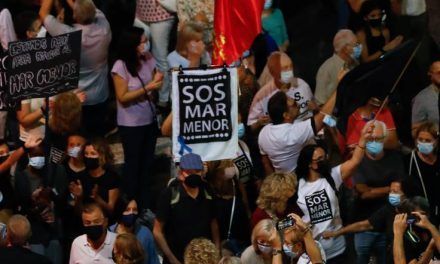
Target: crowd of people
(298, 190)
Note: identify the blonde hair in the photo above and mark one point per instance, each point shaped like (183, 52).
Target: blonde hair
(66, 114)
(342, 38)
(264, 229)
(201, 251)
(84, 11)
(276, 190)
(129, 249)
(190, 31)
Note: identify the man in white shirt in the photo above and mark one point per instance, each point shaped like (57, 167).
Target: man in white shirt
(281, 141)
(345, 43)
(97, 244)
(281, 68)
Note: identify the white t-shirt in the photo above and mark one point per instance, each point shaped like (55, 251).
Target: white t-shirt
(319, 203)
(282, 143)
(82, 252)
(301, 94)
(37, 129)
(304, 258)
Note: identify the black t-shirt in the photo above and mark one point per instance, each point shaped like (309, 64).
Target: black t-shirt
(73, 175)
(108, 181)
(184, 217)
(376, 173)
(431, 179)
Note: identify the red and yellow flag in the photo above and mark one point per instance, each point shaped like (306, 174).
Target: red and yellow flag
(236, 24)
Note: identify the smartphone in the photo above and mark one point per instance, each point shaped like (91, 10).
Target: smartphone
(285, 223)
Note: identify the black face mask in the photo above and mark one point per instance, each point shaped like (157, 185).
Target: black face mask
(3, 159)
(323, 167)
(91, 163)
(375, 23)
(129, 220)
(193, 180)
(94, 232)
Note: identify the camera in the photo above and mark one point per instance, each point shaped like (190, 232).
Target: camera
(285, 223)
(412, 219)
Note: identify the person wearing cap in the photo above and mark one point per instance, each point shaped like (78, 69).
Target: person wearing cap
(185, 211)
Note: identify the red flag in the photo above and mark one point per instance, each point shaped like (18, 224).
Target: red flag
(236, 24)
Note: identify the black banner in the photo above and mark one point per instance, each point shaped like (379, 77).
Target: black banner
(205, 107)
(43, 67)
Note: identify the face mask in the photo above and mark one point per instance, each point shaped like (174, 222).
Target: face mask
(323, 167)
(37, 162)
(357, 51)
(286, 76)
(4, 158)
(267, 4)
(288, 251)
(265, 249)
(94, 232)
(91, 163)
(425, 148)
(375, 23)
(374, 147)
(329, 121)
(74, 152)
(129, 220)
(229, 173)
(193, 181)
(241, 130)
(394, 199)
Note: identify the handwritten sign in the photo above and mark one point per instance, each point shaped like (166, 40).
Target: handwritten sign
(43, 67)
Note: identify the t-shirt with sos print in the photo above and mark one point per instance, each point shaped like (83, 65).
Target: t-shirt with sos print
(319, 203)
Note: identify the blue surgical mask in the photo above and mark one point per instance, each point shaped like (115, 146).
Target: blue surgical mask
(36, 162)
(394, 199)
(374, 147)
(241, 130)
(286, 76)
(74, 152)
(329, 121)
(267, 4)
(288, 251)
(357, 51)
(265, 249)
(425, 148)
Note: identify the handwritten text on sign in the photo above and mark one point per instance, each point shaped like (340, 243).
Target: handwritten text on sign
(44, 66)
(205, 107)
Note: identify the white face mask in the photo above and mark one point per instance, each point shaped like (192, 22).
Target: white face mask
(36, 162)
(74, 152)
(286, 76)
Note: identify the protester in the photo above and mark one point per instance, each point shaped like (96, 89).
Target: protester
(425, 104)
(96, 37)
(347, 51)
(423, 166)
(281, 141)
(27, 25)
(96, 245)
(201, 251)
(126, 215)
(161, 23)
(273, 23)
(375, 36)
(185, 211)
(275, 191)
(317, 193)
(101, 184)
(134, 78)
(261, 250)
(127, 249)
(18, 233)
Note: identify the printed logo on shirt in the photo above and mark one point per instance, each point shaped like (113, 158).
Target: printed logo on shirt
(319, 207)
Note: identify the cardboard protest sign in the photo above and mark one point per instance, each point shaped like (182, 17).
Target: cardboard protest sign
(205, 113)
(42, 67)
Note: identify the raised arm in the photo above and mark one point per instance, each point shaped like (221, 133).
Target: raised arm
(46, 7)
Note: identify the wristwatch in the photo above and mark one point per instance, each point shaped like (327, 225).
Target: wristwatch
(276, 252)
